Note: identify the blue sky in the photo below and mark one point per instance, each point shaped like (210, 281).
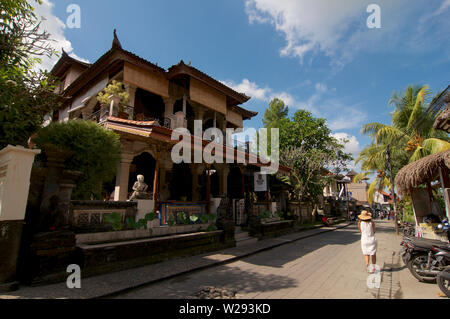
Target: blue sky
(315, 55)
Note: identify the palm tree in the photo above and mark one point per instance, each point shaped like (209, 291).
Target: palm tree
(411, 136)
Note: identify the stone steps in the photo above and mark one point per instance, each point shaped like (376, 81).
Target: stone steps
(243, 238)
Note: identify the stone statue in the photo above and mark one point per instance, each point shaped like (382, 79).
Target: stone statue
(140, 189)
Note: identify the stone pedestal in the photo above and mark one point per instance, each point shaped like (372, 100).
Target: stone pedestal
(15, 170)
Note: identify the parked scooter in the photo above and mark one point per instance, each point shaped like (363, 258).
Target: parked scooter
(421, 260)
(409, 229)
(443, 277)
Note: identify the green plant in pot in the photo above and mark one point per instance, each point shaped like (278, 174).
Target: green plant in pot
(115, 90)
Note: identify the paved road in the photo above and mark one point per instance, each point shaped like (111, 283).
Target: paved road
(329, 265)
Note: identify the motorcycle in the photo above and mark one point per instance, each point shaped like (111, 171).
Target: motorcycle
(421, 260)
(408, 229)
(443, 277)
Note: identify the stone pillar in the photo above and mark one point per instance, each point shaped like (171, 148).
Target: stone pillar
(165, 166)
(122, 177)
(131, 90)
(168, 112)
(15, 171)
(223, 177)
(114, 107)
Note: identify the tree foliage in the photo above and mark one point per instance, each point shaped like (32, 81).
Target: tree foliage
(411, 136)
(306, 145)
(114, 88)
(26, 95)
(96, 153)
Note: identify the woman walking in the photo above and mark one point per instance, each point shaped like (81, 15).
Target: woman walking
(368, 241)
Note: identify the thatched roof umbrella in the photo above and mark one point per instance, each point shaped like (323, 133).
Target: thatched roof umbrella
(421, 171)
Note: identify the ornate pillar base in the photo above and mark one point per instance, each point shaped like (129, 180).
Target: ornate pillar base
(122, 178)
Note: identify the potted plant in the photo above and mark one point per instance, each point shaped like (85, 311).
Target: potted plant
(115, 92)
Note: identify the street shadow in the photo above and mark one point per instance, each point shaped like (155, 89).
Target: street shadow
(295, 250)
(231, 279)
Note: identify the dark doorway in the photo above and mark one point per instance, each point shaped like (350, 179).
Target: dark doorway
(214, 186)
(181, 182)
(148, 106)
(143, 164)
(234, 183)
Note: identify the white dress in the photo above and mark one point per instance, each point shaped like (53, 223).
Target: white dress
(368, 240)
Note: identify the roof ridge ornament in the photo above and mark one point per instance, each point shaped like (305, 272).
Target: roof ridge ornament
(116, 42)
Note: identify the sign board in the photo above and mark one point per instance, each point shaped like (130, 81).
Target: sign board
(260, 182)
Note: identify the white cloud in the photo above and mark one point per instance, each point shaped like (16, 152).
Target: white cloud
(352, 146)
(265, 94)
(348, 118)
(55, 27)
(444, 6)
(339, 115)
(337, 29)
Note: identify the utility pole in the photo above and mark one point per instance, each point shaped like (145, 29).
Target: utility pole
(391, 177)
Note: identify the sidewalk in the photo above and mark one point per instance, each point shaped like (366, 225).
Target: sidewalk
(397, 281)
(119, 282)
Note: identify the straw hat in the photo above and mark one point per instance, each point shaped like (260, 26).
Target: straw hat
(365, 215)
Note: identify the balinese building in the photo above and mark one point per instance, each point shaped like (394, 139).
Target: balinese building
(160, 101)
(358, 191)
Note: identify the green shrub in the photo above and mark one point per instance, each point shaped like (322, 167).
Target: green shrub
(171, 221)
(96, 153)
(182, 218)
(115, 219)
(141, 223)
(266, 214)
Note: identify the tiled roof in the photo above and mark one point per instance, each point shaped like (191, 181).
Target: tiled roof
(132, 122)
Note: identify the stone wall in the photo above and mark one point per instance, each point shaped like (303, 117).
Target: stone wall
(302, 212)
(102, 258)
(88, 216)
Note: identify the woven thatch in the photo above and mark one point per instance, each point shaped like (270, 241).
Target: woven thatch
(421, 171)
(443, 119)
